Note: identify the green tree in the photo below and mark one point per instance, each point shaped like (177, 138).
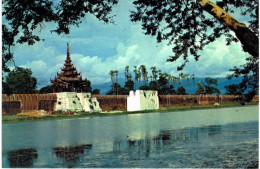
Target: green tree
(154, 86)
(116, 73)
(127, 75)
(117, 90)
(86, 86)
(250, 73)
(210, 85)
(46, 89)
(129, 85)
(6, 89)
(112, 76)
(154, 73)
(200, 89)
(233, 89)
(144, 73)
(163, 83)
(21, 81)
(96, 91)
(181, 91)
(136, 76)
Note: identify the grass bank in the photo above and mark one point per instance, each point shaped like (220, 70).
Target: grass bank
(22, 118)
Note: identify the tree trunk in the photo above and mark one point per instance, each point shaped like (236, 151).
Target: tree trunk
(249, 41)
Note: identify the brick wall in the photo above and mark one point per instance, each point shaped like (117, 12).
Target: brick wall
(11, 107)
(170, 100)
(29, 102)
(17, 103)
(112, 102)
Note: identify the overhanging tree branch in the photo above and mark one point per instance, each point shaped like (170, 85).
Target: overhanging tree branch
(249, 41)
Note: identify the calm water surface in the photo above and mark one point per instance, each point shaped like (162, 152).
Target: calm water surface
(225, 137)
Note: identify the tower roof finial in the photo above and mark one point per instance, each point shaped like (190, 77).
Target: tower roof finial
(68, 50)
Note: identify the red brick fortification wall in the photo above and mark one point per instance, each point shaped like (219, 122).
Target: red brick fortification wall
(29, 102)
(11, 107)
(178, 100)
(112, 102)
(256, 98)
(18, 103)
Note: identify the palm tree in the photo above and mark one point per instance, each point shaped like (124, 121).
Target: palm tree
(174, 79)
(116, 73)
(188, 80)
(111, 73)
(193, 78)
(142, 68)
(181, 76)
(159, 73)
(179, 81)
(151, 78)
(126, 73)
(136, 76)
(154, 73)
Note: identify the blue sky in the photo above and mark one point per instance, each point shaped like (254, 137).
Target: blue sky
(96, 48)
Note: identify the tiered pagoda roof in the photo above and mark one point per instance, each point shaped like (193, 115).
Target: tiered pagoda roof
(68, 79)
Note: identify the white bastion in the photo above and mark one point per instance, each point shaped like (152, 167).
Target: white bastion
(142, 100)
(71, 101)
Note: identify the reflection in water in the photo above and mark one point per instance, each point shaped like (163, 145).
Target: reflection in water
(164, 138)
(209, 146)
(214, 129)
(22, 158)
(116, 146)
(71, 154)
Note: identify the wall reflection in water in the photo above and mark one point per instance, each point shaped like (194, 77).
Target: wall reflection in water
(22, 158)
(72, 154)
(133, 147)
(165, 138)
(215, 129)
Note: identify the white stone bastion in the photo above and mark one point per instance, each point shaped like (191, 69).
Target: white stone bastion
(142, 100)
(71, 101)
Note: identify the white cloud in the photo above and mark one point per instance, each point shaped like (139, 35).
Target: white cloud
(38, 67)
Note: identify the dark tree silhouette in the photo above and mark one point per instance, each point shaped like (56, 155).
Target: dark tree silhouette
(233, 89)
(210, 85)
(186, 25)
(181, 91)
(20, 81)
(46, 89)
(96, 91)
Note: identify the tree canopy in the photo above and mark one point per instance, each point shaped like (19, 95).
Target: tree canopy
(188, 26)
(20, 81)
(233, 89)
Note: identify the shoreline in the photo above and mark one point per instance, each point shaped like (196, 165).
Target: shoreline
(23, 118)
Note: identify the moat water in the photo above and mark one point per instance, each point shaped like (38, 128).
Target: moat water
(218, 138)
